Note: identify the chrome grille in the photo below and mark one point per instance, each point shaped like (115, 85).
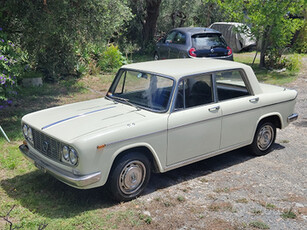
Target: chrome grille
(47, 145)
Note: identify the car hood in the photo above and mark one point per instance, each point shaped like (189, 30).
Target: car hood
(71, 121)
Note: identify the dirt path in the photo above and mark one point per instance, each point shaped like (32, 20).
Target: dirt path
(236, 190)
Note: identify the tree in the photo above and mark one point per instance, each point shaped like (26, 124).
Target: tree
(52, 31)
(142, 28)
(150, 20)
(270, 24)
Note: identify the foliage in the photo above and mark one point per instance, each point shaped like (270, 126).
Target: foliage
(288, 214)
(51, 31)
(271, 25)
(259, 225)
(300, 44)
(142, 28)
(268, 76)
(111, 59)
(201, 13)
(96, 58)
(12, 62)
(293, 62)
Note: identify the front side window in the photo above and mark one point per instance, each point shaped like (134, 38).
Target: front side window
(230, 84)
(142, 89)
(194, 91)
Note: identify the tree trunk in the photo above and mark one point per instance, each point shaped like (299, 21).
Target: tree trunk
(264, 45)
(262, 54)
(150, 22)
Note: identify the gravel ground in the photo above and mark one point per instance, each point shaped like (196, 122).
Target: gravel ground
(236, 190)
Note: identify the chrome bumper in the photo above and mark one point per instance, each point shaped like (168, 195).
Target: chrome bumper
(69, 178)
(292, 117)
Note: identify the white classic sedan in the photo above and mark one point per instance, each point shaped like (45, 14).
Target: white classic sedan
(156, 116)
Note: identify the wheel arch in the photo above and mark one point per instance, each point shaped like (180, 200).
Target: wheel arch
(140, 148)
(275, 118)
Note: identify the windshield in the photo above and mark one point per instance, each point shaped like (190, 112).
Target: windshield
(142, 89)
(201, 41)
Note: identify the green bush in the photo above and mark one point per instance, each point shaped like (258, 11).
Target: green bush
(12, 63)
(300, 45)
(111, 59)
(293, 62)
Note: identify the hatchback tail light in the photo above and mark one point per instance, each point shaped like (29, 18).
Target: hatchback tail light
(229, 51)
(192, 52)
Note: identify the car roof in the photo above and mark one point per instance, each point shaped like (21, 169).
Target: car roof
(196, 30)
(178, 68)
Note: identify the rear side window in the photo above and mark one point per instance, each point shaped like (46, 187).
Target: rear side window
(231, 84)
(170, 37)
(180, 38)
(201, 41)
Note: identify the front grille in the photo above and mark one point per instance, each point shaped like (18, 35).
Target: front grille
(47, 145)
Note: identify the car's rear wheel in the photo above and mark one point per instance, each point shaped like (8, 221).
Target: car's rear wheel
(264, 138)
(129, 177)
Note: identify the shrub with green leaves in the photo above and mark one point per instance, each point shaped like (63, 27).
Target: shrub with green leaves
(111, 59)
(50, 31)
(12, 62)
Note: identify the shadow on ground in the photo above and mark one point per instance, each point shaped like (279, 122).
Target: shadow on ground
(51, 198)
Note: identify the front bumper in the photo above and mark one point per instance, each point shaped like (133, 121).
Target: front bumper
(292, 117)
(78, 181)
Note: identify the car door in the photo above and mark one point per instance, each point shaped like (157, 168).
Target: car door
(165, 47)
(195, 125)
(177, 47)
(239, 107)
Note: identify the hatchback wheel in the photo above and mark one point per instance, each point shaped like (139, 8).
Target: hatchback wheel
(156, 56)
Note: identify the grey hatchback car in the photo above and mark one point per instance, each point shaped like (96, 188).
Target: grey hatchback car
(193, 42)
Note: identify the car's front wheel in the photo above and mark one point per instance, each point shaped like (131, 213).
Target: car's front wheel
(264, 138)
(129, 177)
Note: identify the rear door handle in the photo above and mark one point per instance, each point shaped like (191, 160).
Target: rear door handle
(254, 100)
(216, 108)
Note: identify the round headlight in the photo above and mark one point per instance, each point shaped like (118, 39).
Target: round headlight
(73, 157)
(30, 135)
(65, 152)
(25, 130)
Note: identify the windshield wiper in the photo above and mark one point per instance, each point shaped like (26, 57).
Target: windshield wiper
(125, 100)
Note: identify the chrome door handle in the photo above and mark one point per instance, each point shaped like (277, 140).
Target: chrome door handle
(254, 100)
(214, 108)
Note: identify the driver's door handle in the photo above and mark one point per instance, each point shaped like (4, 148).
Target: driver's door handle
(254, 100)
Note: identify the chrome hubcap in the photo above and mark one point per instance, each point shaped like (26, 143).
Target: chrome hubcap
(265, 137)
(132, 177)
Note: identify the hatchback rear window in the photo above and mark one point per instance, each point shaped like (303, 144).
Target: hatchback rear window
(201, 41)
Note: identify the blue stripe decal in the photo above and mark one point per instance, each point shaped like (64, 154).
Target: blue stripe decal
(80, 115)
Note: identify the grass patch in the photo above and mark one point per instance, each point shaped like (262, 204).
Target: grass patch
(259, 225)
(256, 212)
(180, 198)
(288, 214)
(222, 190)
(270, 206)
(221, 206)
(265, 75)
(243, 201)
